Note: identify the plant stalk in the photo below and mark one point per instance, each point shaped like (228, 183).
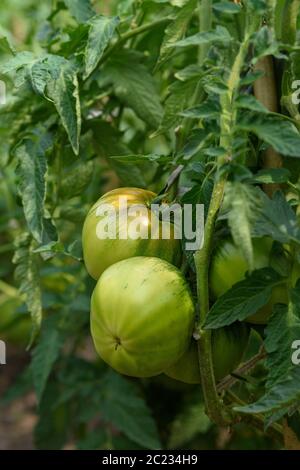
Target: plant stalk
(214, 405)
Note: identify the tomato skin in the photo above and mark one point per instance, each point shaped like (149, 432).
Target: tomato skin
(142, 316)
(99, 254)
(229, 266)
(228, 347)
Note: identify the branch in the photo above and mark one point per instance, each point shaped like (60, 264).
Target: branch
(244, 369)
(214, 405)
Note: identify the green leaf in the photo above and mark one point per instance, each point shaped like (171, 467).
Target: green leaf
(192, 71)
(134, 85)
(251, 77)
(64, 92)
(5, 46)
(277, 220)
(81, 10)
(160, 159)
(282, 135)
(227, 7)
(46, 353)
(219, 35)
(28, 278)
(37, 71)
(176, 30)
(129, 173)
(242, 202)
(74, 250)
(195, 142)
(265, 44)
(214, 84)
(272, 175)
(191, 422)
(257, 6)
(179, 97)
(31, 170)
(101, 31)
(96, 439)
(244, 299)
(251, 103)
(282, 386)
(21, 386)
(17, 62)
(54, 78)
(77, 179)
(123, 407)
(207, 110)
(294, 421)
(108, 142)
(51, 430)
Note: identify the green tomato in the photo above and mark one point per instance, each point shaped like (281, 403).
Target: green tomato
(15, 328)
(142, 316)
(228, 347)
(99, 252)
(230, 266)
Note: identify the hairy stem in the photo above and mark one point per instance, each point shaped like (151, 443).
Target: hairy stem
(214, 405)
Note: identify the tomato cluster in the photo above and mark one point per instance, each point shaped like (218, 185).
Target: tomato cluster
(142, 309)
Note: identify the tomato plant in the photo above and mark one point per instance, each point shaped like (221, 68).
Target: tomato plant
(191, 102)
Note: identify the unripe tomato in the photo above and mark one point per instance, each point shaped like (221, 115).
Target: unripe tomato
(142, 316)
(99, 252)
(230, 266)
(228, 347)
(15, 328)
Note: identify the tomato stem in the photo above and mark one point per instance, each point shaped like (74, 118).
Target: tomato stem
(214, 405)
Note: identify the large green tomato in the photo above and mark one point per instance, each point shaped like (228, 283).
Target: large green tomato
(230, 266)
(228, 347)
(142, 316)
(99, 252)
